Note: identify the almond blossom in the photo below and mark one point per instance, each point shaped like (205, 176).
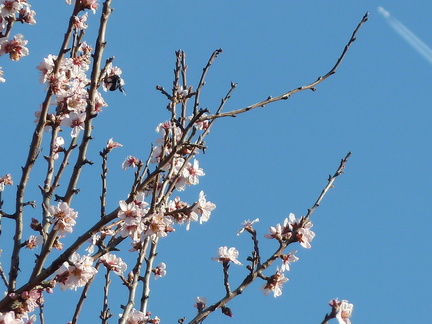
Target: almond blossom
(130, 162)
(136, 317)
(160, 270)
(33, 242)
(63, 217)
(10, 8)
(6, 180)
(80, 23)
(15, 47)
(158, 225)
(275, 232)
(113, 263)
(304, 234)
(226, 255)
(203, 208)
(76, 272)
(192, 172)
(112, 145)
(343, 310)
(181, 212)
(75, 121)
(27, 16)
(274, 284)
(247, 225)
(9, 318)
(287, 259)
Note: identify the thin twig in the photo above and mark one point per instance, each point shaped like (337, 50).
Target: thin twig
(259, 270)
(288, 94)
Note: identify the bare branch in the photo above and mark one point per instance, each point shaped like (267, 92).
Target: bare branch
(286, 95)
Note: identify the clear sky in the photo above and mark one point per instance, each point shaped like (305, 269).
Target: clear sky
(373, 242)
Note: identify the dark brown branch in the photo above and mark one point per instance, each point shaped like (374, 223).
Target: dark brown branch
(288, 94)
(203, 76)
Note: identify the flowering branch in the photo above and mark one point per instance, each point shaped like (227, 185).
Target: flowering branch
(171, 165)
(284, 241)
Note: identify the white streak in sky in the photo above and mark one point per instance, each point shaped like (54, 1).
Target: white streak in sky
(407, 35)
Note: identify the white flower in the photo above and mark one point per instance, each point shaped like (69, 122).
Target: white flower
(274, 284)
(114, 263)
(160, 270)
(226, 255)
(247, 225)
(203, 208)
(63, 218)
(76, 272)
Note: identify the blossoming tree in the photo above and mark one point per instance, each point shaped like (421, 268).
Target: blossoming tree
(76, 78)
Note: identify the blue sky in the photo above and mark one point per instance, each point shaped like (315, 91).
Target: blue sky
(373, 242)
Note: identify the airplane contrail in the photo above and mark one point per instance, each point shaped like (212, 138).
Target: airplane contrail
(407, 35)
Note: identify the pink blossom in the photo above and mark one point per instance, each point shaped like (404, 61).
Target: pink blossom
(75, 121)
(274, 284)
(203, 208)
(80, 22)
(158, 225)
(34, 241)
(130, 162)
(275, 232)
(9, 318)
(14, 47)
(226, 255)
(46, 67)
(181, 212)
(137, 317)
(76, 272)
(128, 210)
(287, 259)
(202, 125)
(63, 217)
(131, 215)
(10, 8)
(6, 180)
(93, 241)
(343, 310)
(27, 15)
(160, 270)
(304, 234)
(192, 172)
(114, 263)
(247, 225)
(112, 145)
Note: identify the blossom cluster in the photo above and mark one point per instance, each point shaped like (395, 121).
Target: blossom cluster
(138, 222)
(25, 303)
(75, 272)
(178, 168)
(275, 282)
(12, 11)
(293, 229)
